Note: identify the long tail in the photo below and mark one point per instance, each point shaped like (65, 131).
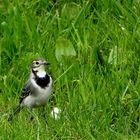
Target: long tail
(16, 110)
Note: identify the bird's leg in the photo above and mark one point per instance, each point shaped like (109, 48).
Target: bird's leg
(31, 114)
(43, 111)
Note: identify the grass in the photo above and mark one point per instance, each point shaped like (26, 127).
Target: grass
(93, 47)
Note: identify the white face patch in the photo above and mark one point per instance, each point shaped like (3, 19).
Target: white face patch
(39, 68)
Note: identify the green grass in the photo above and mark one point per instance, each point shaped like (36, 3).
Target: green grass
(93, 48)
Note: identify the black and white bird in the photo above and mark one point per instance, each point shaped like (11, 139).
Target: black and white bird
(37, 89)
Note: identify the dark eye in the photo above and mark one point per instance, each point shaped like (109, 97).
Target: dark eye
(37, 63)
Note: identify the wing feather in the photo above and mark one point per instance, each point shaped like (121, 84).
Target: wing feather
(26, 90)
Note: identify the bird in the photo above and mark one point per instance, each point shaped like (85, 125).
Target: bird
(37, 90)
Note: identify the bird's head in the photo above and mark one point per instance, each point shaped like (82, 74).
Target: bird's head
(38, 64)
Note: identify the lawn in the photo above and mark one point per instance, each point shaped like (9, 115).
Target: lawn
(94, 51)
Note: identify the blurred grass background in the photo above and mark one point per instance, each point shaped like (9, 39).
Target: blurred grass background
(93, 48)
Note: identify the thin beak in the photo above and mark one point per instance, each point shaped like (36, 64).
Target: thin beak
(46, 63)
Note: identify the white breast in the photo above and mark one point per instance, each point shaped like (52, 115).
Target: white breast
(39, 96)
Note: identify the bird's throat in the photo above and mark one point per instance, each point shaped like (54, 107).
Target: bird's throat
(43, 82)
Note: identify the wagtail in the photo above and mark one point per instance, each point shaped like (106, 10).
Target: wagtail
(37, 89)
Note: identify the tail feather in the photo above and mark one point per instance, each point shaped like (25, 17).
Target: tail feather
(16, 110)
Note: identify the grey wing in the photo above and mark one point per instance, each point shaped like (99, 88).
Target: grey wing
(26, 90)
